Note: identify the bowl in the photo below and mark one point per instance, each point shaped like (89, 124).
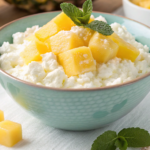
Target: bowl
(76, 109)
(136, 12)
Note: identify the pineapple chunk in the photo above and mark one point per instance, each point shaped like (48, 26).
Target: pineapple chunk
(63, 21)
(10, 133)
(102, 48)
(1, 115)
(77, 61)
(60, 22)
(126, 50)
(47, 31)
(64, 41)
(33, 50)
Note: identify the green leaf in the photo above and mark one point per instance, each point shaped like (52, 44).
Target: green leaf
(136, 137)
(85, 19)
(121, 143)
(100, 27)
(87, 7)
(106, 141)
(72, 12)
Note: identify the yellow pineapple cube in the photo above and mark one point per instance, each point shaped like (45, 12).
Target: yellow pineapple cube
(10, 133)
(33, 51)
(125, 50)
(60, 22)
(103, 49)
(1, 115)
(77, 61)
(47, 31)
(64, 41)
(63, 21)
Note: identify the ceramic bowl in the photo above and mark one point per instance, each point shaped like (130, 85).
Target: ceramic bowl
(76, 109)
(136, 12)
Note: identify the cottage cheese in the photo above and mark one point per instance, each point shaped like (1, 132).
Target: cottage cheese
(49, 73)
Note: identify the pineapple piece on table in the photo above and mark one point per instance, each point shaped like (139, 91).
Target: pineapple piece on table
(33, 51)
(103, 49)
(77, 61)
(60, 22)
(1, 115)
(125, 50)
(10, 133)
(64, 41)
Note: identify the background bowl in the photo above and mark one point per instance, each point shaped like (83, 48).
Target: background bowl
(76, 109)
(136, 12)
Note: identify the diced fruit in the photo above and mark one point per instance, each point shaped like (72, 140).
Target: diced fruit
(63, 21)
(47, 31)
(125, 50)
(60, 22)
(64, 41)
(10, 133)
(1, 115)
(87, 36)
(103, 49)
(77, 61)
(33, 50)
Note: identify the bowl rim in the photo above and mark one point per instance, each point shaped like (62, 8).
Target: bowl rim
(136, 6)
(71, 89)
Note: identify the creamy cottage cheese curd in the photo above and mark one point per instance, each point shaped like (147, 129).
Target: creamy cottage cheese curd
(50, 73)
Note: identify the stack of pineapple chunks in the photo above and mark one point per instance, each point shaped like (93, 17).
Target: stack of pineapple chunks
(75, 54)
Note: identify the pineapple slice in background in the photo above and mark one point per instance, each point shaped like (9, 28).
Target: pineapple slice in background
(64, 41)
(103, 48)
(60, 22)
(33, 51)
(125, 50)
(77, 61)
(42, 5)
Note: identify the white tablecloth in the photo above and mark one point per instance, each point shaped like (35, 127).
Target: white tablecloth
(37, 136)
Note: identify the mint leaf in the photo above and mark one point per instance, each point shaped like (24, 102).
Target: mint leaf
(121, 143)
(136, 137)
(72, 12)
(106, 141)
(87, 7)
(100, 27)
(85, 19)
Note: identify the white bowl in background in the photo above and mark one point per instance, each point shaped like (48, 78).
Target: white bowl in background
(136, 12)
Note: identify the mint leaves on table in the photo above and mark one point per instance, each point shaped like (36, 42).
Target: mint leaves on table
(82, 17)
(130, 137)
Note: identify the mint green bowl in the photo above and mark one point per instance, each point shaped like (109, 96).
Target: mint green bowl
(76, 109)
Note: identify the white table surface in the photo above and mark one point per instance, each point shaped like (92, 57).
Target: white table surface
(37, 136)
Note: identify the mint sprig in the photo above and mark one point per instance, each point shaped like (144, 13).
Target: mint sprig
(130, 137)
(81, 18)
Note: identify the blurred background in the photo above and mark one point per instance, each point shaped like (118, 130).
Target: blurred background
(14, 9)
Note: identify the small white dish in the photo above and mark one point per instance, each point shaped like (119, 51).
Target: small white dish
(136, 12)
